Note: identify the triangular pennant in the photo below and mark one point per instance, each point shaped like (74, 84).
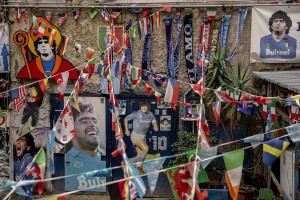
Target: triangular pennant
(39, 90)
(62, 81)
(148, 89)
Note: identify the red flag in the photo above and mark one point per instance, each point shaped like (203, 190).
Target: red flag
(166, 8)
(146, 12)
(62, 80)
(149, 89)
(186, 104)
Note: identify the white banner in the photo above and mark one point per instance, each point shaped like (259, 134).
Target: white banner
(275, 34)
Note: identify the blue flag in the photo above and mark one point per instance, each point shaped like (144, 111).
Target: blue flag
(158, 80)
(153, 166)
(248, 108)
(51, 140)
(294, 130)
(272, 149)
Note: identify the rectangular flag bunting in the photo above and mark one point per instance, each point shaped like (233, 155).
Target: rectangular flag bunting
(18, 96)
(74, 98)
(158, 19)
(63, 46)
(135, 76)
(62, 81)
(199, 87)
(146, 25)
(140, 28)
(272, 149)
(41, 30)
(151, 167)
(294, 130)
(52, 37)
(217, 109)
(273, 112)
(64, 127)
(133, 33)
(61, 19)
(51, 141)
(158, 80)
(39, 90)
(265, 111)
(234, 166)
(166, 8)
(172, 93)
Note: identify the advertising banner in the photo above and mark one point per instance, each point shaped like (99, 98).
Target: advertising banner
(275, 34)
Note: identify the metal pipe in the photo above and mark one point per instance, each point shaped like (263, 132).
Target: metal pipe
(147, 6)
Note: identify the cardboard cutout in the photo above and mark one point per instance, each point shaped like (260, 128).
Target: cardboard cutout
(47, 62)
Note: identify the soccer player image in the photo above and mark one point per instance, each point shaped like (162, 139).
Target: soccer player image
(278, 44)
(47, 61)
(85, 151)
(141, 123)
(24, 152)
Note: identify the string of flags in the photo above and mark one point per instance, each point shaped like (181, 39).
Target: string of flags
(231, 96)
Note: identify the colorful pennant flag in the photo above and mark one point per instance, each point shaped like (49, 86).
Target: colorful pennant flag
(158, 19)
(25, 16)
(158, 96)
(148, 89)
(40, 169)
(116, 12)
(211, 13)
(172, 93)
(39, 90)
(135, 76)
(34, 19)
(92, 65)
(199, 87)
(62, 81)
(196, 11)
(18, 96)
(187, 105)
(76, 15)
(158, 80)
(249, 108)
(47, 15)
(138, 181)
(133, 33)
(272, 149)
(90, 53)
(146, 25)
(64, 44)
(61, 19)
(52, 37)
(254, 140)
(273, 112)
(105, 14)
(151, 167)
(140, 28)
(294, 130)
(92, 12)
(74, 98)
(51, 141)
(234, 166)
(64, 127)
(217, 109)
(166, 8)
(77, 49)
(19, 12)
(41, 30)
(265, 111)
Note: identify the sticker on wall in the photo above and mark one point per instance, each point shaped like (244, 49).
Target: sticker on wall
(164, 112)
(103, 31)
(122, 107)
(45, 42)
(4, 47)
(165, 123)
(156, 111)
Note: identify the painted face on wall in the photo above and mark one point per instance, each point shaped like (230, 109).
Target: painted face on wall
(279, 26)
(21, 146)
(45, 50)
(86, 130)
(144, 109)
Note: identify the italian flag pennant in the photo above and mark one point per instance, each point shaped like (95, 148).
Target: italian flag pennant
(265, 111)
(273, 112)
(135, 76)
(234, 166)
(40, 169)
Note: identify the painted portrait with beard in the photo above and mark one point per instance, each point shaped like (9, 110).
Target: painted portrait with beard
(87, 151)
